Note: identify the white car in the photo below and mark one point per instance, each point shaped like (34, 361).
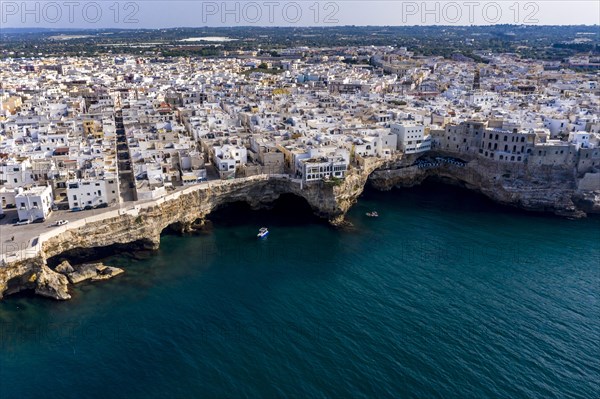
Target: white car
(61, 222)
(22, 222)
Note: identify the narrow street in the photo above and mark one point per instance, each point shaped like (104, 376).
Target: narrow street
(126, 177)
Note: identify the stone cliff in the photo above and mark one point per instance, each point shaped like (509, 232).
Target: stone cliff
(551, 189)
(534, 188)
(141, 225)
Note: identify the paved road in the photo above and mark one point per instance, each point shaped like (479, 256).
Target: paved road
(14, 238)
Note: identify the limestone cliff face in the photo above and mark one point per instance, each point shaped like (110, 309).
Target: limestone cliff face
(552, 189)
(535, 188)
(143, 224)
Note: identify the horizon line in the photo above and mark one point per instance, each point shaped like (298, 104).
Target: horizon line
(302, 26)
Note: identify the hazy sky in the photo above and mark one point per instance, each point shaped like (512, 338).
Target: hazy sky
(195, 13)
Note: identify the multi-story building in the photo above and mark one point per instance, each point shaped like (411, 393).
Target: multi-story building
(411, 138)
(34, 203)
(92, 192)
(503, 145)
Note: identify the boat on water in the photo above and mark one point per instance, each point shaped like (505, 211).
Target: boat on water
(263, 232)
(373, 214)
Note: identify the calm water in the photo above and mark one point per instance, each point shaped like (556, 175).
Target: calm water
(445, 295)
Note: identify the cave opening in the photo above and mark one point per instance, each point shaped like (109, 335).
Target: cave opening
(287, 210)
(86, 255)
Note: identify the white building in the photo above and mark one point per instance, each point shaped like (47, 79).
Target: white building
(411, 138)
(580, 139)
(482, 98)
(34, 203)
(314, 169)
(228, 157)
(16, 174)
(556, 125)
(7, 197)
(92, 192)
(381, 145)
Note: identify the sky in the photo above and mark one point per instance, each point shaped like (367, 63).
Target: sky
(196, 13)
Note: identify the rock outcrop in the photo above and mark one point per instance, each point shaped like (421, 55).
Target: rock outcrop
(51, 284)
(105, 272)
(92, 271)
(64, 268)
(83, 272)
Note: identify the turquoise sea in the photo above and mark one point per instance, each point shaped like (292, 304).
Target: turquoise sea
(445, 295)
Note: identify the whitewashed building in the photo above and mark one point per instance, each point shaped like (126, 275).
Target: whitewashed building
(92, 192)
(228, 157)
(411, 138)
(34, 203)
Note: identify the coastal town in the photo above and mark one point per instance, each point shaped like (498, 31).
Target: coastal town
(83, 136)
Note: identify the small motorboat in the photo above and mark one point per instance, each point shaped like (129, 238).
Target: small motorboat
(263, 232)
(373, 214)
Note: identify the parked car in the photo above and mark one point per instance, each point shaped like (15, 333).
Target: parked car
(88, 207)
(102, 205)
(39, 220)
(22, 222)
(76, 209)
(60, 222)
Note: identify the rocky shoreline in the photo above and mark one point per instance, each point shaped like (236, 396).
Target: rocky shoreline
(55, 283)
(548, 189)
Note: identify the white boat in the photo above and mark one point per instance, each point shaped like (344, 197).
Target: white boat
(263, 232)
(373, 214)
